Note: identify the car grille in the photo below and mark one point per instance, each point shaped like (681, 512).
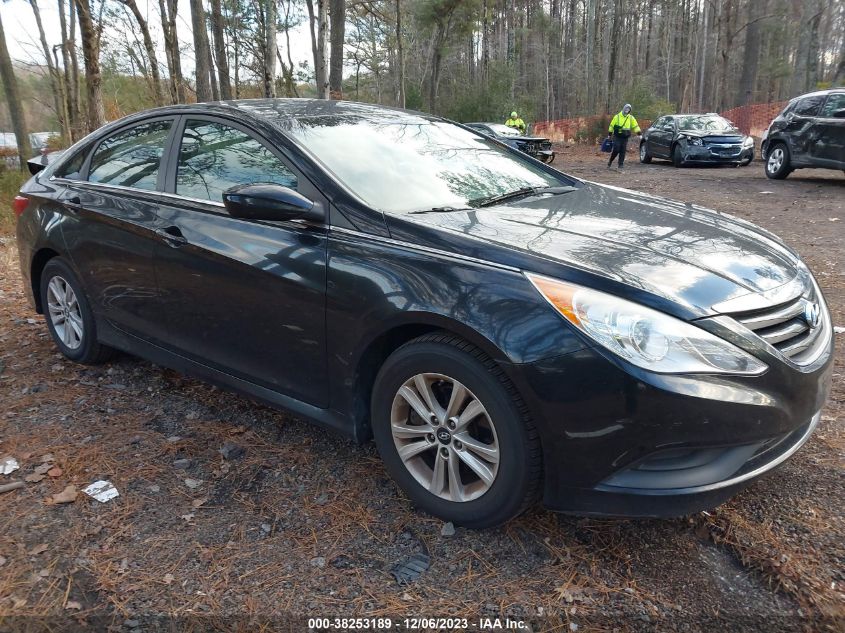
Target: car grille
(789, 327)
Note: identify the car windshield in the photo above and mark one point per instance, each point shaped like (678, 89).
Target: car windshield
(704, 122)
(503, 130)
(402, 164)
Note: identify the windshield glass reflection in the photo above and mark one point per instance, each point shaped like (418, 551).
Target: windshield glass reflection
(411, 164)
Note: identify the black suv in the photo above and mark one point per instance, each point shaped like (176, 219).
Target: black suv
(810, 132)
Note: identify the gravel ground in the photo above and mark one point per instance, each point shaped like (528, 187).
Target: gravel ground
(231, 513)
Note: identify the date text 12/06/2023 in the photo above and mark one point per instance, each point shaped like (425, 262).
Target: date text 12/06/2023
(415, 624)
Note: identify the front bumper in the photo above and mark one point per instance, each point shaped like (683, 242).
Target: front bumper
(711, 154)
(619, 441)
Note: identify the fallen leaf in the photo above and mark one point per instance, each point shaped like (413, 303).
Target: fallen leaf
(44, 572)
(48, 457)
(43, 468)
(68, 495)
(55, 471)
(38, 549)
(168, 578)
(34, 478)
(2, 560)
(73, 604)
(193, 483)
(199, 502)
(188, 517)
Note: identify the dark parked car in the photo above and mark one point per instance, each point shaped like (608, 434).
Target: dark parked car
(503, 330)
(535, 146)
(810, 132)
(696, 138)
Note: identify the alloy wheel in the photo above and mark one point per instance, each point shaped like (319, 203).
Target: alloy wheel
(775, 161)
(64, 312)
(445, 437)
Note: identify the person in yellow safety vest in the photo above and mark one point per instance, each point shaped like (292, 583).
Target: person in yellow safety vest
(620, 128)
(516, 122)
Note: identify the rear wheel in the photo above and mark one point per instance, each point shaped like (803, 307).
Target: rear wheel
(454, 433)
(68, 315)
(645, 157)
(777, 162)
(677, 156)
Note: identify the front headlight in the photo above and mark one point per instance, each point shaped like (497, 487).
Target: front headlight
(647, 338)
(748, 142)
(692, 140)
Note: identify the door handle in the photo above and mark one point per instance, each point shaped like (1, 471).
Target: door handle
(172, 236)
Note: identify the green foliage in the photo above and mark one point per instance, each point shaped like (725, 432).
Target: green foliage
(645, 103)
(464, 100)
(11, 181)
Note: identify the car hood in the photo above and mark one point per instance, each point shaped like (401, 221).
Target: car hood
(688, 255)
(533, 139)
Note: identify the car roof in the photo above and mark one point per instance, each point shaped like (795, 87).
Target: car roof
(283, 112)
(819, 93)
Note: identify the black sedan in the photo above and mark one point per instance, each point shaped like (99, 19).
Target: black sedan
(535, 146)
(696, 138)
(503, 331)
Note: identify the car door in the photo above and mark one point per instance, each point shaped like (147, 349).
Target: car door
(243, 296)
(111, 208)
(801, 132)
(829, 148)
(661, 137)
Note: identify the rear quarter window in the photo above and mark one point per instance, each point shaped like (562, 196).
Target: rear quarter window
(72, 168)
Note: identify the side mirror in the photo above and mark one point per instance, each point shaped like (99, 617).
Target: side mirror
(267, 201)
(839, 114)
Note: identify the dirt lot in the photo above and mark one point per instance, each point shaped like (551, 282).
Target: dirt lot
(303, 523)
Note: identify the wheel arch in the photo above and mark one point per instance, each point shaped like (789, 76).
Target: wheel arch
(377, 350)
(39, 262)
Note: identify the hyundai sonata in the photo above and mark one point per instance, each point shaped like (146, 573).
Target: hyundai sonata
(504, 331)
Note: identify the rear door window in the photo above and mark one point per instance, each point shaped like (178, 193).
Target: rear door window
(809, 106)
(131, 158)
(214, 157)
(835, 101)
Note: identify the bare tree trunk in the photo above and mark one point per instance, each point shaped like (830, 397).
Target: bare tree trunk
(400, 54)
(317, 51)
(13, 99)
(212, 75)
(751, 57)
(55, 78)
(171, 48)
(91, 54)
(323, 37)
(149, 47)
(220, 49)
(202, 51)
(338, 31)
(269, 49)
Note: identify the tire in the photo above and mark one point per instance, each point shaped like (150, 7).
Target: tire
(677, 157)
(499, 423)
(645, 157)
(79, 341)
(777, 162)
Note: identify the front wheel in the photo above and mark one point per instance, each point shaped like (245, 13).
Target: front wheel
(454, 434)
(677, 156)
(645, 157)
(777, 162)
(68, 315)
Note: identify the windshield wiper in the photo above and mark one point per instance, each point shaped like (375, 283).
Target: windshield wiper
(439, 210)
(519, 193)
